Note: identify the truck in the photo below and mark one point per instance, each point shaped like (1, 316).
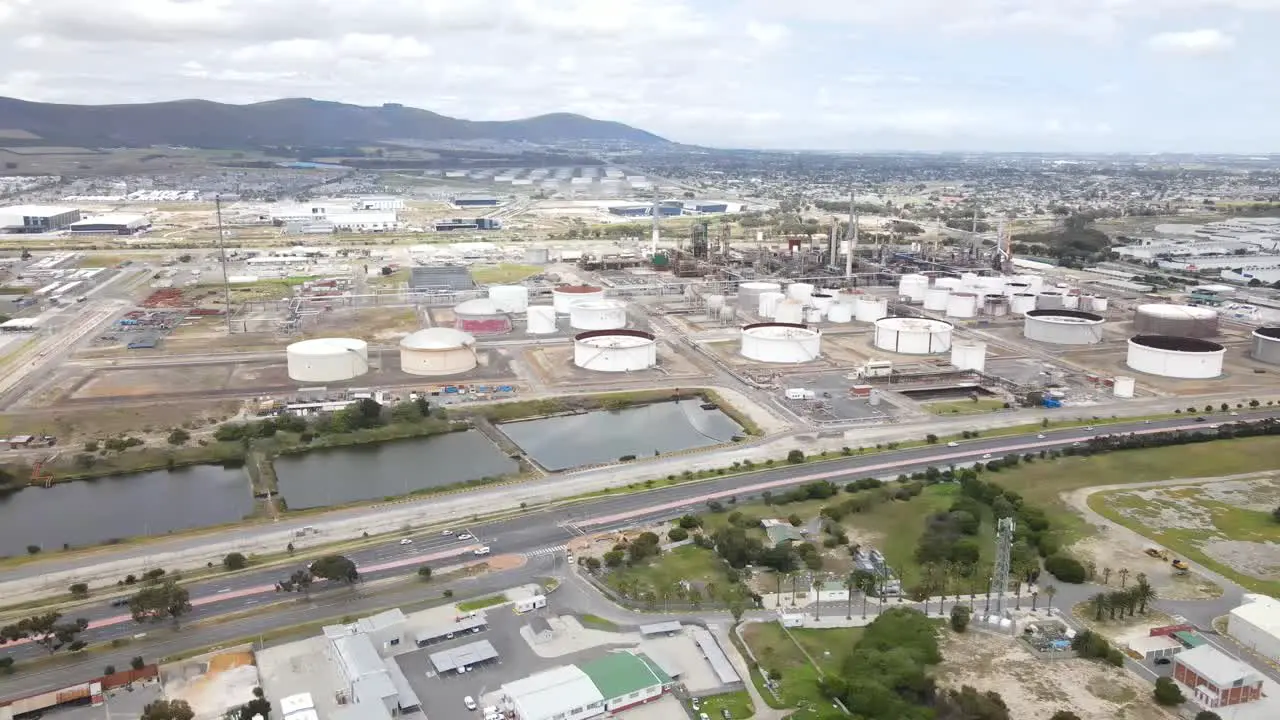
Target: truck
(530, 604)
(800, 394)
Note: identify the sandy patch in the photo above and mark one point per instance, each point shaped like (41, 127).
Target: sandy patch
(1119, 551)
(1033, 688)
(1255, 559)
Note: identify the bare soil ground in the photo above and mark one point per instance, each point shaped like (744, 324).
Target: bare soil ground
(1117, 552)
(74, 425)
(1034, 688)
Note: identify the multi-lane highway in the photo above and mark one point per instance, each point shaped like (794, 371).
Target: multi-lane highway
(544, 532)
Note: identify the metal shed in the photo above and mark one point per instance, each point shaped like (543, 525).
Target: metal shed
(467, 656)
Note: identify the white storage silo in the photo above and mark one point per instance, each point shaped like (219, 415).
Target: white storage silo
(1050, 300)
(869, 309)
(969, 356)
(840, 313)
(714, 303)
(541, 319)
(749, 293)
(769, 302)
(813, 315)
(437, 351)
(510, 298)
(969, 279)
(565, 296)
(1071, 302)
(481, 316)
(962, 305)
(598, 315)
(781, 343)
(1022, 303)
(800, 291)
(1016, 288)
(913, 336)
(936, 298)
(822, 301)
(1063, 327)
(1266, 345)
(913, 286)
(1176, 357)
(325, 360)
(946, 283)
(992, 284)
(1100, 304)
(1175, 320)
(1124, 386)
(995, 305)
(616, 350)
(789, 311)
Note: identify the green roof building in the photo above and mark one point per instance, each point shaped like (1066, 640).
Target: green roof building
(625, 679)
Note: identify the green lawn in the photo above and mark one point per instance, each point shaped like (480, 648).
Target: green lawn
(598, 623)
(737, 703)
(481, 603)
(777, 653)
(966, 407)
(504, 273)
(687, 563)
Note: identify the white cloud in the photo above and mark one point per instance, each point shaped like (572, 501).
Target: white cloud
(770, 35)
(1192, 42)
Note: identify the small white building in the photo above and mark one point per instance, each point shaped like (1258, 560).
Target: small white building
(1155, 646)
(1256, 625)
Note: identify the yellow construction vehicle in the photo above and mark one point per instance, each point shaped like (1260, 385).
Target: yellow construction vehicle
(1158, 553)
(1180, 567)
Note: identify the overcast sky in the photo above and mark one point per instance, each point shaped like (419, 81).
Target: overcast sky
(1088, 75)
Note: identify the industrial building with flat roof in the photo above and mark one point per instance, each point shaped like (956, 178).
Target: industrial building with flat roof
(111, 224)
(24, 219)
(1256, 625)
(375, 688)
(468, 224)
(574, 692)
(1216, 679)
(475, 201)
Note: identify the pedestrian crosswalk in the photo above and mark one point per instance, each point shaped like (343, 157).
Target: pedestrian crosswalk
(546, 551)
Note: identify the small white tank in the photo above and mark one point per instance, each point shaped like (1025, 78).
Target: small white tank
(790, 311)
(813, 315)
(769, 302)
(541, 319)
(840, 313)
(800, 291)
(936, 298)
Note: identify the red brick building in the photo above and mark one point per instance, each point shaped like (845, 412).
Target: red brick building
(1216, 679)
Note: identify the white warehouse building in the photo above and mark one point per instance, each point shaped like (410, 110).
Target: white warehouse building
(1256, 625)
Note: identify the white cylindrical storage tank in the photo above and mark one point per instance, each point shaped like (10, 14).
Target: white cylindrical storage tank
(565, 296)
(946, 283)
(1176, 357)
(1100, 304)
(969, 356)
(1266, 345)
(1050, 300)
(1016, 288)
(749, 293)
(995, 305)
(437, 351)
(840, 313)
(913, 336)
(962, 305)
(715, 302)
(1022, 303)
(800, 291)
(813, 315)
(1175, 320)
(616, 350)
(1071, 302)
(325, 360)
(992, 285)
(781, 343)
(1036, 282)
(536, 256)
(969, 279)
(481, 316)
(1063, 327)
(789, 311)
(936, 298)
(598, 315)
(1123, 386)
(822, 301)
(913, 286)
(869, 309)
(541, 319)
(510, 298)
(769, 302)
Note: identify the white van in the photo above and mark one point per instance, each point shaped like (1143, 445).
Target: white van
(482, 550)
(470, 702)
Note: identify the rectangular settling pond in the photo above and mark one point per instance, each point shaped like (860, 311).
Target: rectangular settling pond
(91, 512)
(603, 436)
(369, 472)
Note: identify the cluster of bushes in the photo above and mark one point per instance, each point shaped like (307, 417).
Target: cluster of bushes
(1089, 644)
(738, 550)
(949, 537)
(1226, 431)
(363, 415)
(645, 546)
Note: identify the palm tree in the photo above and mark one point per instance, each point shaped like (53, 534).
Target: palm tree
(1106, 576)
(850, 584)
(1091, 568)
(777, 600)
(1144, 593)
(1099, 602)
(1124, 576)
(1035, 598)
(817, 597)
(793, 589)
(1049, 592)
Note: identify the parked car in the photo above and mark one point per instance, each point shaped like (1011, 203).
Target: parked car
(406, 541)
(1163, 661)
(470, 702)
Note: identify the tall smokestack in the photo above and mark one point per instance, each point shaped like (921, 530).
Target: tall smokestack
(853, 237)
(653, 240)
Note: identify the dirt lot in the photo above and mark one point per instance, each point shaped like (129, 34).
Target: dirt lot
(74, 425)
(1034, 688)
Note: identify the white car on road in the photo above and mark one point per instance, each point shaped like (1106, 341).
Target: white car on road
(466, 536)
(406, 541)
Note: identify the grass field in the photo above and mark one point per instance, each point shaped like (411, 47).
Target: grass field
(737, 703)
(966, 407)
(780, 655)
(688, 563)
(481, 603)
(504, 273)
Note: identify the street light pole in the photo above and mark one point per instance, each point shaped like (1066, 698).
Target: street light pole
(222, 250)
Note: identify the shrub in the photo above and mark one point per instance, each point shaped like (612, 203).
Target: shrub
(109, 670)
(678, 534)
(79, 589)
(959, 618)
(1066, 569)
(137, 663)
(234, 561)
(795, 457)
(1167, 692)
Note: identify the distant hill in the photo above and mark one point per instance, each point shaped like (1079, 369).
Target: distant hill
(289, 122)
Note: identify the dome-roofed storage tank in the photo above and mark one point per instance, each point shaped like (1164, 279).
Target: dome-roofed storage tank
(936, 298)
(1266, 345)
(1050, 300)
(510, 298)
(800, 291)
(781, 343)
(962, 305)
(1176, 357)
(1022, 303)
(749, 293)
(789, 311)
(840, 313)
(913, 286)
(598, 315)
(1123, 386)
(1016, 288)
(481, 316)
(769, 302)
(541, 319)
(1175, 320)
(565, 296)
(822, 301)
(616, 350)
(1063, 327)
(913, 336)
(325, 360)
(869, 309)
(437, 351)
(969, 356)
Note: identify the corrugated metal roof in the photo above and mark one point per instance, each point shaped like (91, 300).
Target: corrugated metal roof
(1189, 638)
(357, 656)
(661, 628)
(1212, 665)
(470, 654)
(553, 692)
(457, 628)
(620, 674)
(711, 649)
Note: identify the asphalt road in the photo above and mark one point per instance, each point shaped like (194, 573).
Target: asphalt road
(544, 530)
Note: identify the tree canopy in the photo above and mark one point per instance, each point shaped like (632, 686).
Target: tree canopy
(167, 601)
(168, 710)
(337, 568)
(48, 631)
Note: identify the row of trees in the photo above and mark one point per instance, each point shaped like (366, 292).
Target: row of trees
(364, 414)
(335, 568)
(1130, 600)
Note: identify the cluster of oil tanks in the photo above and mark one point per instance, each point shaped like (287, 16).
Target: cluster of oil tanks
(805, 303)
(972, 295)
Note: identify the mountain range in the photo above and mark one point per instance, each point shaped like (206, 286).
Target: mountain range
(288, 122)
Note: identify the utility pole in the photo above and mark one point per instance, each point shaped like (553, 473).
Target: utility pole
(222, 250)
(853, 238)
(653, 240)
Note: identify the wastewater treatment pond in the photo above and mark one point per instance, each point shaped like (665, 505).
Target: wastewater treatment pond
(335, 476)
(603, 436)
